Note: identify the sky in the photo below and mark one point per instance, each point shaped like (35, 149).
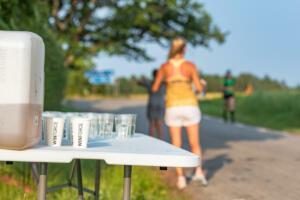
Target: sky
(264, 39)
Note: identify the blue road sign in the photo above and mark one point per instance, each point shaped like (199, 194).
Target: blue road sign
(100, 80)
(93, 73)
(99, 77)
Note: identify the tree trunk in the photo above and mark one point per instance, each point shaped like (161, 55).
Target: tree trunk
(69, 59)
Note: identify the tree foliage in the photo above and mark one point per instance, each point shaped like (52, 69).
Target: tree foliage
(83, 28)
(29, 15)
(117, 27)
(242, 81)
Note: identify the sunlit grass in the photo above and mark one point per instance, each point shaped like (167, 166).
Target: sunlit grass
(276, 110)
(146, 183)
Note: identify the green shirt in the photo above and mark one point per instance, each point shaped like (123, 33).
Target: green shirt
(228, 87)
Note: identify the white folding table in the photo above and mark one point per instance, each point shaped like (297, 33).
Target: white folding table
(140, 150)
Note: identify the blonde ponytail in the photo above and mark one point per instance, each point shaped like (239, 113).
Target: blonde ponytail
(177, 46)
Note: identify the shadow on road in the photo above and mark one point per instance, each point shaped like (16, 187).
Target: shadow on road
(214, 164)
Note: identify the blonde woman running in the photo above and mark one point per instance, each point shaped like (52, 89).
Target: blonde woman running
(181, 103)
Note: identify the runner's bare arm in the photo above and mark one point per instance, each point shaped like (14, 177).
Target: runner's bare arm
(158, 80)
(196, 78)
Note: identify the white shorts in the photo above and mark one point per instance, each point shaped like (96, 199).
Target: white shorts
(182, 116)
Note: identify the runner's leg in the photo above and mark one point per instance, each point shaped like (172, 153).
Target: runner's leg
(225, 109)
(175, 133)
(152, 128)
(193, 136)
(231, 101)
(159, 128)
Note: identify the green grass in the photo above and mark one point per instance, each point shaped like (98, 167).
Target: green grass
(278, 110)
(146, 182)
(69, 109)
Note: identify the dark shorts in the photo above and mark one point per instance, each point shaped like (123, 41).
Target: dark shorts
(155, 112)
(228, 96)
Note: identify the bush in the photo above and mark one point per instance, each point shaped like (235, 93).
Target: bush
(34, 19)
(55, 74)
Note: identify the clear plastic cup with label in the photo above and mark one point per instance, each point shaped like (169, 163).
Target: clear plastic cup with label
(66, 138)
(80, 127)
(105, 125)
(54, 127)
(46, 114)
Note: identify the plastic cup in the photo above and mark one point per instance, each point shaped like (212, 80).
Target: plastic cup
(125, 125)
(42, 138)
(105, 124)
(80, 128)
(44, 115)
(54, 127)
(133, 124)
(67, 138)
(94, 129)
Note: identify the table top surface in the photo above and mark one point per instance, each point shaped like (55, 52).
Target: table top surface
(139, 150)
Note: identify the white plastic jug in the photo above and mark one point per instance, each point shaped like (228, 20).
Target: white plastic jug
(22, 56)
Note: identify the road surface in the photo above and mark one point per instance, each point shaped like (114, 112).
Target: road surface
(241, 162)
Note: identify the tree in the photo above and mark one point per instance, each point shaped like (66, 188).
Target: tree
(117, 27)
(32, 13)
(242, 81)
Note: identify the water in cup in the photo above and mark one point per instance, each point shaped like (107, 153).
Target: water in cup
(125, 125)
(93, 124)
(67, 138)
(133, 124)
(106, 124)
(122, 130)
(42, 138)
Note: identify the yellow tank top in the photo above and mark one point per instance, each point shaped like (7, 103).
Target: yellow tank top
(179, 88)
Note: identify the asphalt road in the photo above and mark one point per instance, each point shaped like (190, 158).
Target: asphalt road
(241, 162)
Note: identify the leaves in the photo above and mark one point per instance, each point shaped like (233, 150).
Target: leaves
(83, 28)
(119, 27)
(31, 15)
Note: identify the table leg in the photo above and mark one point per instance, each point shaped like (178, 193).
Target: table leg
(127, 182)
(42, 188)
(72, 171)
(79, 180)
(35, 173)
(97, 180)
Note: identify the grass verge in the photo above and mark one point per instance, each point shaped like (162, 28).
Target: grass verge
(278, 110)
(146, 183)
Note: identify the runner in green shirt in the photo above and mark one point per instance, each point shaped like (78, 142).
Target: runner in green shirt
(228, 95)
